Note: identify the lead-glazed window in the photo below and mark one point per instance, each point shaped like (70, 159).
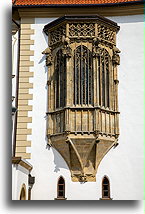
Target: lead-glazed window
(60, 75)
(104, 79)
(83, 72)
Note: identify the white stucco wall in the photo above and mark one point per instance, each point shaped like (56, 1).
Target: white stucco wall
(124, 164)
(19, 177)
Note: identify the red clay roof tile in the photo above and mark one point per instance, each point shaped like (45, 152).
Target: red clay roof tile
(67, 2)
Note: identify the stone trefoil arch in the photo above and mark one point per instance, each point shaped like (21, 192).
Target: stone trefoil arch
(83, 117)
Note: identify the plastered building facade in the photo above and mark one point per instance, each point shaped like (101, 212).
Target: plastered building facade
(78, 147)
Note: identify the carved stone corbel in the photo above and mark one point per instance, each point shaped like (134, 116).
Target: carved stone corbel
(116, 57)
(82, 178)
(49, 57)
(116, 141)
(48, 140)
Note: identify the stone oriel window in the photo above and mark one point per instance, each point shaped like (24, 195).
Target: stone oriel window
(61, 188)
(60, 76)
(83, 80)
(105, 188)
(83, 116)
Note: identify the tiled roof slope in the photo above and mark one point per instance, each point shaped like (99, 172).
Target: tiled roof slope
(69, 2)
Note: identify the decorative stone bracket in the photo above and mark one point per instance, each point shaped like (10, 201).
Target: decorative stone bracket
(49, 57)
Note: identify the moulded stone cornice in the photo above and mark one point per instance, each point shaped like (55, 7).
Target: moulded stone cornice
(22, 162)
(122, 10)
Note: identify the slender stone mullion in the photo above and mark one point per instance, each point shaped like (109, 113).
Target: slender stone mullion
(81, 73)
(95, 83)
(88, 77)
(97, 80)
(75, 80)
(85, 89)
(53, 89)
(79, 80)
(68, 78)
(105, 86)
(91, 78)
(59, 82)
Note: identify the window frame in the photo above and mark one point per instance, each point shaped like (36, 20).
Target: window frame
(58, 190)
(108, 185)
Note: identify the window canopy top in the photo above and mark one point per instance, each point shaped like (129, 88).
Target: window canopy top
(72, 18)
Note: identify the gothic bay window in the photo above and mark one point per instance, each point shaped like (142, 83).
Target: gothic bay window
(60, 76)
(83, 117)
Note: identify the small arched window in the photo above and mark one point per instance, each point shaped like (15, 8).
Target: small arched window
(60, 77)
(61, 188)
(23, 193)
(105, 188)
(83, 76)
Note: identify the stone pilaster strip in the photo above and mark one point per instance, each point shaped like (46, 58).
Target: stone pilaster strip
(24, 85)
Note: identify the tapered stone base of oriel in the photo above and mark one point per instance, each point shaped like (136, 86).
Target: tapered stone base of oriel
(83, 154)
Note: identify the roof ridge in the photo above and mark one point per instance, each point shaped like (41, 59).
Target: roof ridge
(70, 2)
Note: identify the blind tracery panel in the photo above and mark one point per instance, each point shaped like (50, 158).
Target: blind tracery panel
(83, 81)
(60, 73)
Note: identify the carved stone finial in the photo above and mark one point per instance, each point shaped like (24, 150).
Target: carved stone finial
(48, 55)
(97, 50)
(67, 52)
(65, 40)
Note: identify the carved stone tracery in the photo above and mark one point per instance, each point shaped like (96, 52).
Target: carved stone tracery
(83, 122)
(57, 34)
(81, 29)
(104, 32)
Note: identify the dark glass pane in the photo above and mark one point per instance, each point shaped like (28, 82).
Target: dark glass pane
(105, 181)
(61, 187)
(106, 194)
(60, 194)
(61, 181)
(105, 187)
(60, 71)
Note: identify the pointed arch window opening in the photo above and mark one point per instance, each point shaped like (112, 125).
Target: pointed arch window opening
(105, 188)
(61, 188)
(83, 72)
